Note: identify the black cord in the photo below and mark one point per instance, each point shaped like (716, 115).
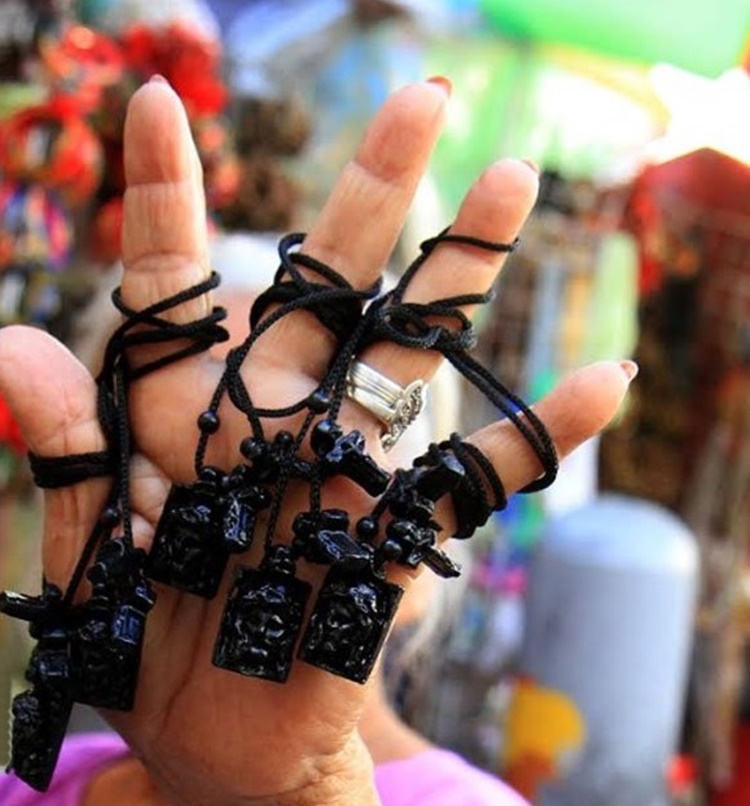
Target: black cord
(407, 324)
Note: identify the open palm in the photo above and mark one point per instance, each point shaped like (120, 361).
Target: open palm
(202, 730)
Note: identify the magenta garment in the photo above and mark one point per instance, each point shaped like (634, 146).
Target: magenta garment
(82, 756)
(440, 778)
(433, 778)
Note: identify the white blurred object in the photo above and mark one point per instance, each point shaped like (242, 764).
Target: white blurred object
(705, 113)
(128, 12)
(577, 484)
(609, 624)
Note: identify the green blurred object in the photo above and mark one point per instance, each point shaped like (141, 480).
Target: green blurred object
(15, 96)
(91, 12)
(703, 36)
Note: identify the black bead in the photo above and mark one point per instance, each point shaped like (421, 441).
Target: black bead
(209, 422)
(284, 440)
(390, 550)
(211, 477)
(368, 528)
(110, 517)
(324, 435)
(252, 447)
(319, 402)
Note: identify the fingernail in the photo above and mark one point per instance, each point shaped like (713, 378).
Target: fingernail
(534, 167)
(630, 368)
(444, 83)
(156, 78)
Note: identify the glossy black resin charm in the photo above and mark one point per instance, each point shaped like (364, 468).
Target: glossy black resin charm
(189, 552)
(344, 455)
(408, 544)
(41, 714)
(243, 500)
(106, 645)
(323, 538)
(263, 618)
(350, 622)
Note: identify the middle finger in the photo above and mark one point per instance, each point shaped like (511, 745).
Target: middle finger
(361, 221)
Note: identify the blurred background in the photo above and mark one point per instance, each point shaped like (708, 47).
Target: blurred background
(598, 653)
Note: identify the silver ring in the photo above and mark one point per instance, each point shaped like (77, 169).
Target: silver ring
(395, 406)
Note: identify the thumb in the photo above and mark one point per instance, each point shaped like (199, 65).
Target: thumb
(53, 398)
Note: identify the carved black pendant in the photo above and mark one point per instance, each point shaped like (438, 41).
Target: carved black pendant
(263, 618)
(350, 622)
(41, 714)
(189, 552)
(344, 455)
(413, 493)
(323, 538)
(106, 646)
(243, 503)
(408, 544)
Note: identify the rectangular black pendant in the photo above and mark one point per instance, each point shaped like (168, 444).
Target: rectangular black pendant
(239, 521)
(106, 657)
(40, 719)
(188, 552)
(41, 714)
(261, 623)
(350, 622)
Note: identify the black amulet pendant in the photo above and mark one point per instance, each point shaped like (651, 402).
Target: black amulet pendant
(106, 646)
(262, 619)
(189, 552)
(350, 622)
(40, 715)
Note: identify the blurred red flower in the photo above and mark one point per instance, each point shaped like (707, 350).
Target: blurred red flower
(10, 433)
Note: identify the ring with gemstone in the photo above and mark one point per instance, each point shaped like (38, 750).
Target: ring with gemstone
(395, 406)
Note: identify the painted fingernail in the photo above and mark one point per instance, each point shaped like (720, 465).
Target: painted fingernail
(630, 368)
(444, 83)
(534, 167)
(156, 78)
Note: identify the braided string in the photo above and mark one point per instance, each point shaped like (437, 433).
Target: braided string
(339, 307)
(139, 327)
(407, 324)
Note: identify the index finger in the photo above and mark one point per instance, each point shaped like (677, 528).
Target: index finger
(165, 238)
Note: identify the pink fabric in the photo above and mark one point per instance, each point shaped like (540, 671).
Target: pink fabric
(82, 756)
(433, 778)
(440, 778)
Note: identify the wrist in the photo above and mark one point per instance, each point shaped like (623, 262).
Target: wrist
(340, 780)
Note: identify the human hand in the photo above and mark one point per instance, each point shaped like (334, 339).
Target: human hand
(206, 735)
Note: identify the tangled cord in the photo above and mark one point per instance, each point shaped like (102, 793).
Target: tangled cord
(407, 324)
(90, 652)
(204, 522)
